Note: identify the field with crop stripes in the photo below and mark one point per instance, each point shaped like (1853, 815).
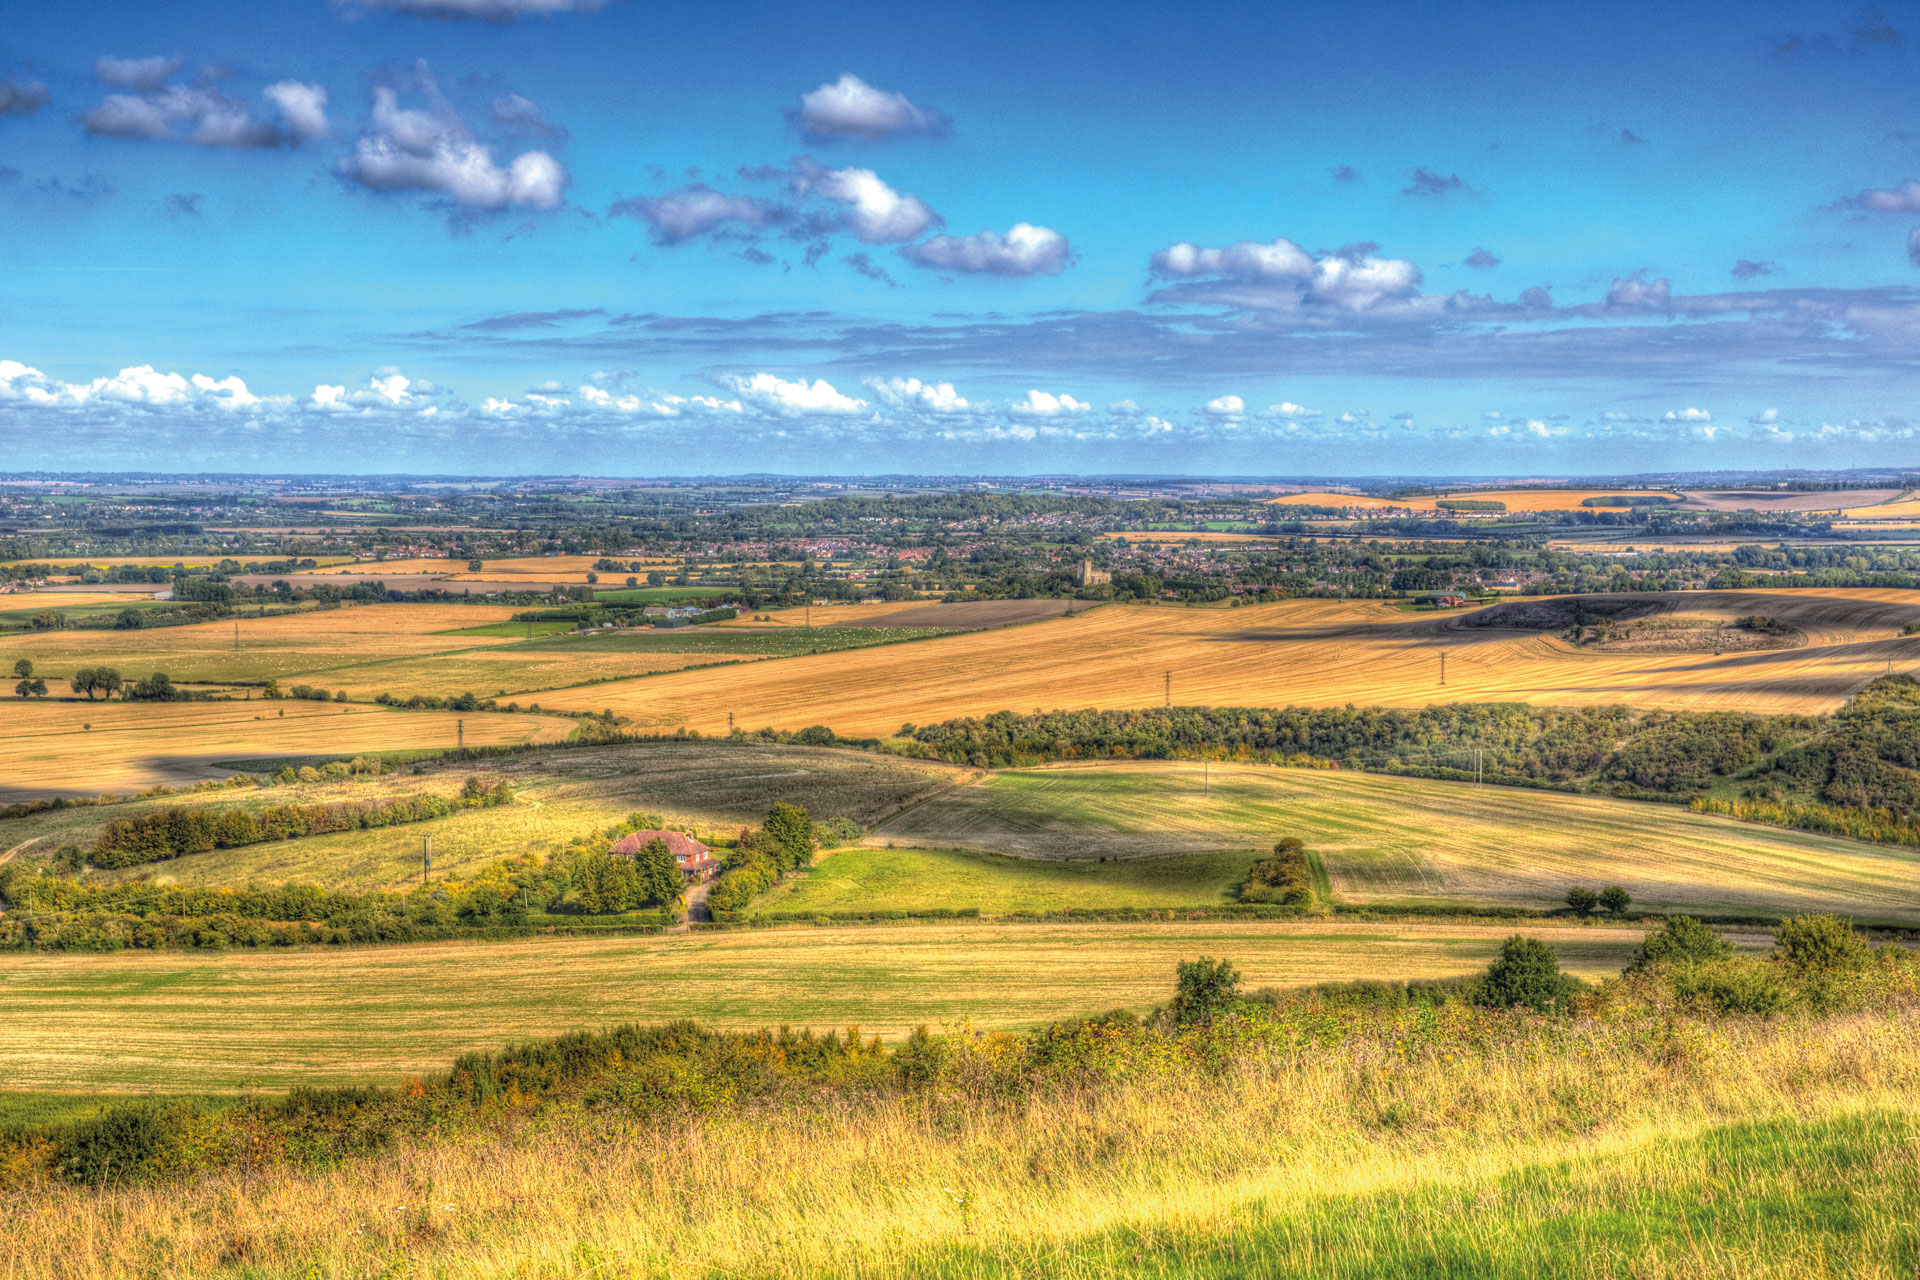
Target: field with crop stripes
(1385, 839)
(171, 1020)
(1304, 652)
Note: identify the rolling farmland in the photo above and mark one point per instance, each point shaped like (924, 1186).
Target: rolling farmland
(173, 1021)
(714, 788)
(1390, 839)
(49, 748)
(1303, 652)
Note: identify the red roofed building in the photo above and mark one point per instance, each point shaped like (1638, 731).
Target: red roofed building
(696, 861)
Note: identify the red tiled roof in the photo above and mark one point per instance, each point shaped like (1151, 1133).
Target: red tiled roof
(679, 844)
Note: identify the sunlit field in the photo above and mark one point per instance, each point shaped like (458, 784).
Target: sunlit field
(1301, 652)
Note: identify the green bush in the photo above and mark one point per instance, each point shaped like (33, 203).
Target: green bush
(1526, 976)
(141, 1142)
(1733, 986)
(1285, 878)
(1821, 944)
(1680, 940)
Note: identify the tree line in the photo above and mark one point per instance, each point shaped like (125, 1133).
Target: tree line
(180, 830)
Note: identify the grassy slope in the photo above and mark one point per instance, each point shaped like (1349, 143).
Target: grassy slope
(716, 787)
(1387, 839)
(173, 1021)
(1741, 1149)
(881, 879)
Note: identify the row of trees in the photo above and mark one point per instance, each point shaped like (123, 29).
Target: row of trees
(179, 830)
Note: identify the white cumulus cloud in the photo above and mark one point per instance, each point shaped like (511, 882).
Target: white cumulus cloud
(925, 397)
(432, 151)
(873, 211)
(1353, 280)
(1041, 404)
(1686, 415)
(1230, 408)
(851, 108)
(1024, 250)
(793, 399)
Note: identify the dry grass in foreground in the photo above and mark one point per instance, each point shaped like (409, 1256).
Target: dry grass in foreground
(1467, 1146)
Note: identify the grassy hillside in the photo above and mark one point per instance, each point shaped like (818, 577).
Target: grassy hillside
(714, 787)
(1384, 840)
(866, 878)
(1274, 1137)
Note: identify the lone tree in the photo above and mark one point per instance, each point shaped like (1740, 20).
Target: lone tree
(1527, 975)
(1205, 988)
(1615, 899)
(1583, 901)
(24, 668)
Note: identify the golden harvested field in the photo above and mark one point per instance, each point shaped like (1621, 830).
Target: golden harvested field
(289, 645)
(175, 1021)
(1389, 839)
(34, 601)
(502, 672)
(1306, 652)
(1906, 509)
(48, 749)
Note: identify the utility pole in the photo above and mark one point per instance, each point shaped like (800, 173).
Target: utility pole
(1443, 668)
(460, 734)
(236, 636)
(729, 724)
(426, 862)
(1169, 688)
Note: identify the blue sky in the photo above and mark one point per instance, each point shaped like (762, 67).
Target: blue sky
(567, 236)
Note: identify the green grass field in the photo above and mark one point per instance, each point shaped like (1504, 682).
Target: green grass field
(178, 1021)
(864, 878)
(1390, 840)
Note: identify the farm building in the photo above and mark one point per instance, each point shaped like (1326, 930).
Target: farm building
(695, 860)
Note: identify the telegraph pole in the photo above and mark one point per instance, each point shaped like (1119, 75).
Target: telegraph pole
(1169, 688)
(426, 862)
(236, 635)
(729, 724)
(1443, 668)
(460, 734)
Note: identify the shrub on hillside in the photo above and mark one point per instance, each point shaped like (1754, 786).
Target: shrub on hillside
(1821, 944)
(1285, 878)
(1526, 976)
(1680, 940)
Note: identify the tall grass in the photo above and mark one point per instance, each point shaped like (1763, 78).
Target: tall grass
(1634, 1140)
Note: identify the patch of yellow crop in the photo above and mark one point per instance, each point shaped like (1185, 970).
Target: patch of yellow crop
(288, 646)
(1305, 652)
(91, 747)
